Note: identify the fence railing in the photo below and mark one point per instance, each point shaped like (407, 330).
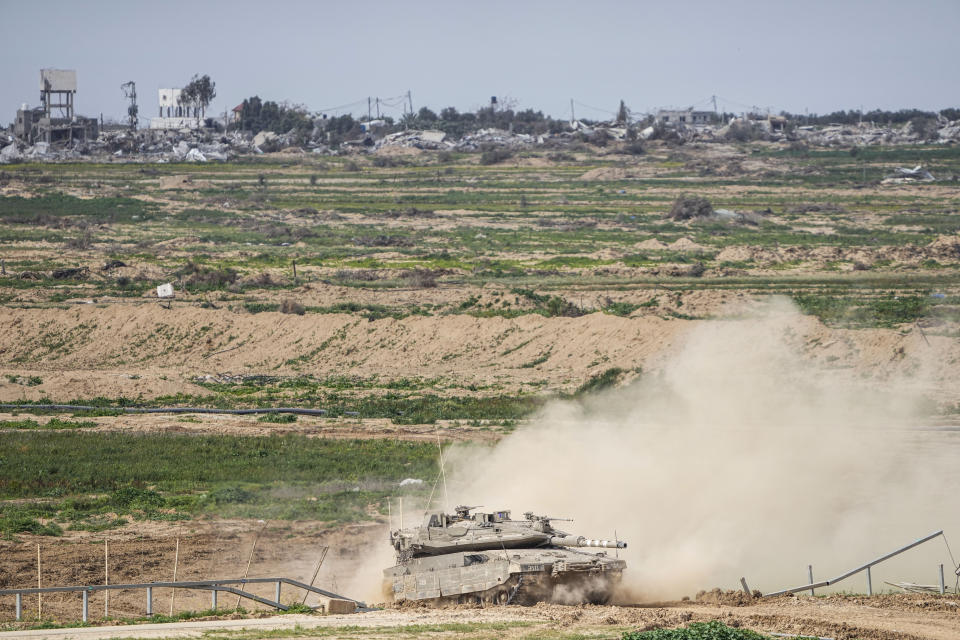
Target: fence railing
(214, 586)
(865, 567)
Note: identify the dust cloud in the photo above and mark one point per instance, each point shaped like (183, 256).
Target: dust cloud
(741, 457)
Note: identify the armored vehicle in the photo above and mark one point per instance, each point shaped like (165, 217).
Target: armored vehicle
(489, 558)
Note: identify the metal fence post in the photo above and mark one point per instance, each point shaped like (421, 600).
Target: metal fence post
(942, 590)
(869, 583)
(810, 576)
(19, 606)
(213, 598)
(86, 605)
(149, 601)
(277, 599)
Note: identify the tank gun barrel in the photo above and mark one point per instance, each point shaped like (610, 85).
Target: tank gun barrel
(580, 541)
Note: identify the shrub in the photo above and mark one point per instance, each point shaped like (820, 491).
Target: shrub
(278, 418)
(557, 306)
(17, 523)
(743, 132)
(686, 207)
(601, 381)
(289, 305)
(81, 242)
(422, 278)
(384, 161)
(925, 127)
(204, 277)
(229, 495)
(133, 498)
(713, 630)
(495, 156)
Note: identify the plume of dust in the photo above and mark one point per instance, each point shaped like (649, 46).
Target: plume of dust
(740, 458)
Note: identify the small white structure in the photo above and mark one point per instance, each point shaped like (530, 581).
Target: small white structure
(685, 117)
(165, 290)
(173, 114)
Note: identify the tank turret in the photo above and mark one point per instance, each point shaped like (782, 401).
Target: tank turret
(490, 557)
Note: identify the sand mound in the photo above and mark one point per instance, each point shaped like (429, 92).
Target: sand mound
(651, 245)
(945, 246)
(685, 244)
(735, 254)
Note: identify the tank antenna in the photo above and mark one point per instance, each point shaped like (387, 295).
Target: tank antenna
(443, 473)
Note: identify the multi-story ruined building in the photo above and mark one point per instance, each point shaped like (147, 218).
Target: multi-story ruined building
(54, 120)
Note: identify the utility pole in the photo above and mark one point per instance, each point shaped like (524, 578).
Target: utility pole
(714, 98)
(573, 118)
(378, 108)
(368, 108)
(410, 101)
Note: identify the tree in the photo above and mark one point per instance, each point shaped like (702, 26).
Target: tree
(199, 93)
(623, 116)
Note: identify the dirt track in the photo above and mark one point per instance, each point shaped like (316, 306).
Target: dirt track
(905, 617)
(221, 548)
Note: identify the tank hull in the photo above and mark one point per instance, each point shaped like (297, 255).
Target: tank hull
(515, 576)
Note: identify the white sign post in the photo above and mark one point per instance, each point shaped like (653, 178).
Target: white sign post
(165, 292)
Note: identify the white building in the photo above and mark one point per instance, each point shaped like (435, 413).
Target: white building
(684, 117)
(173, 114)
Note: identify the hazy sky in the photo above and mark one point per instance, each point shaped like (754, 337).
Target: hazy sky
(808, 55)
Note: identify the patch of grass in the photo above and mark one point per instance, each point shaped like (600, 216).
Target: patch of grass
(600, 381)
(43, 463)
(53, 423)
(713, 630)
(622, 309)
(16, 521)
(278, 418)
(54, 209)
(859, 311)
(536, 361)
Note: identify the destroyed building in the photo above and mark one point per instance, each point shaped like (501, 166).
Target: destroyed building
(54, 120)
(684, 117)
(174, 113)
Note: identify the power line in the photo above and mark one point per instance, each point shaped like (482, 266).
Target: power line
(582, 104)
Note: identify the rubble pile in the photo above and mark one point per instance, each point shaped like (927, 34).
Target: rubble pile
(429, 139)
(486, 138)
(199, 145)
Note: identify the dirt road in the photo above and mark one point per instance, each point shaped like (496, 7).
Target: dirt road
(890, 617)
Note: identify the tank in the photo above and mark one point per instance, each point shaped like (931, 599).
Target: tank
(490, 558)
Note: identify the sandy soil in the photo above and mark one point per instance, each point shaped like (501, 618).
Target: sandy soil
(147, 552)
(142, 350)
(882, 618)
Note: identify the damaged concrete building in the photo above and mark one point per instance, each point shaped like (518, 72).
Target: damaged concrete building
(684, 117)
(54, 120)
(174, 113)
